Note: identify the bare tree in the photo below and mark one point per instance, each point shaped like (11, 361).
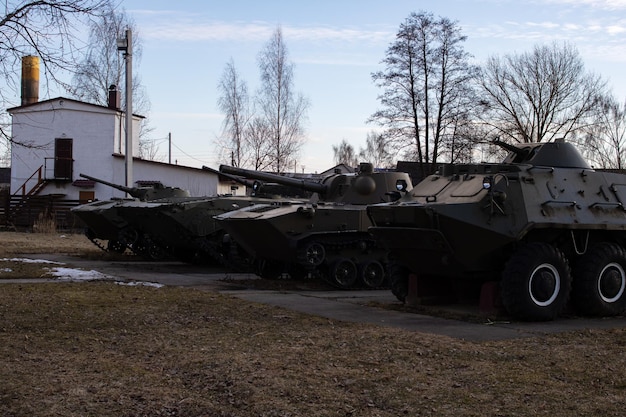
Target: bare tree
(103, 67)
(234, 102)
(282, 111)
(604, 143)
(538, 96)
(376, 151)
(425, 83)
(259, 142)
(47, 29)
(345, 154)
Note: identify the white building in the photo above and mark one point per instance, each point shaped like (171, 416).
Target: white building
(66, 137)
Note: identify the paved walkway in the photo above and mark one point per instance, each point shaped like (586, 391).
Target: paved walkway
(349, 306)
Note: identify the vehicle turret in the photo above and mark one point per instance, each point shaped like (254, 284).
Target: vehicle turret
(325, 237)
(155, 192)
(363, 187)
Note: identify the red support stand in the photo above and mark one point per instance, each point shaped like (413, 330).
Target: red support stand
(411, 297)
(490, 303)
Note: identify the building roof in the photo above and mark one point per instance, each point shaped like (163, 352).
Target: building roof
(39, 103)
(152, 162)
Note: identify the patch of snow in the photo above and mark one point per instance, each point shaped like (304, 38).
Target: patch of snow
(30, 261)
(71, 274)
(140, 283)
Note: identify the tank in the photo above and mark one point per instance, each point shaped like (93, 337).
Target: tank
(153, 192)
(324, 237)
(104, 223)
(543, 227)
(184, 228)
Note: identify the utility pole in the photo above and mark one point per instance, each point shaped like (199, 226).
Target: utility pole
(169, 138)
(126, 45)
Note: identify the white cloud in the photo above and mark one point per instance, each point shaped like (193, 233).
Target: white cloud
(180, 27)
(594, 4)
(616, 29)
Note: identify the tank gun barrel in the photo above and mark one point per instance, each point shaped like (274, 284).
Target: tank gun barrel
(279, 179)
(230, 177)
(132, 191)
(510, 148)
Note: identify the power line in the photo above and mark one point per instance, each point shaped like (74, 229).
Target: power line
(186, 154)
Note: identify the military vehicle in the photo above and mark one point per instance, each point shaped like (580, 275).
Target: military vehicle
(324, 237)
(102, 219)
(542, 224)
(184, 228)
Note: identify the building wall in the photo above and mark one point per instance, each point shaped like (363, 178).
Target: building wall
(98, 134)
(231, 187)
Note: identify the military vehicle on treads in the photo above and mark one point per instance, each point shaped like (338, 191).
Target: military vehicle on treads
(324, 237)
(103, 222)
(541, 225)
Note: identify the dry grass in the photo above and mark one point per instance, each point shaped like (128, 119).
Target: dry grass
(101, 349)
(45, 223)
(14, 243)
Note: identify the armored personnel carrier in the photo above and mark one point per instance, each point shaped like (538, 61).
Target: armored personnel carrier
(542, 224)
(326, 236)
(104, 223)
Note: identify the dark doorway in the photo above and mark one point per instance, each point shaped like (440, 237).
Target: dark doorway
(63, 161)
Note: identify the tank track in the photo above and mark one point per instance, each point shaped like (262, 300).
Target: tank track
(96, 242)
(359, 249)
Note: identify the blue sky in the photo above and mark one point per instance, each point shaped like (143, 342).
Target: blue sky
(335, 46)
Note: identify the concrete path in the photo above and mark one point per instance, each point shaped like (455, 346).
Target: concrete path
(349, 306)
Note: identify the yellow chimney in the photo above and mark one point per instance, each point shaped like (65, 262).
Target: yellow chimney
(30, 79)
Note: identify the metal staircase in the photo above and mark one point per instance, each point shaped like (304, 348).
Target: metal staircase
(20, 200)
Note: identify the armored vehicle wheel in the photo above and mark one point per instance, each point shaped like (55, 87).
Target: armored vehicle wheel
(536, 282)
(398, 277)
(128, 236)
(116, 246)
(599, 287)
(343, 273)
(314, 254)
(154, 252)
(372, 273)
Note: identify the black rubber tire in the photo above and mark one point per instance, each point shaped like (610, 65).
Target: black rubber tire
(398, 277)
(599, 286)
(343, 273)
(536, 283)
(372, 274)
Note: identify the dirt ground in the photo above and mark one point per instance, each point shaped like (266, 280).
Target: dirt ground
(104, 349)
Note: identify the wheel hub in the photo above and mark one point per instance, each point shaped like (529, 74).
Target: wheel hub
(612, 283)
(544, 285)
